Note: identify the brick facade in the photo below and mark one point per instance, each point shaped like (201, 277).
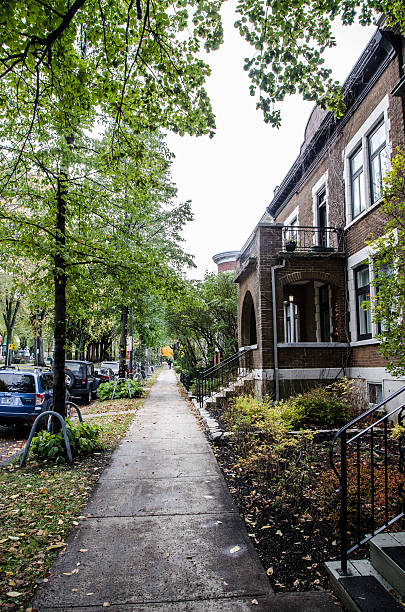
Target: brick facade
(313, 286)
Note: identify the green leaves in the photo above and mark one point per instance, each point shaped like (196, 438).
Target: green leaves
(83, 439)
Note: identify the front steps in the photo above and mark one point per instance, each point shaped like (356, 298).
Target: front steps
(375, 585)
(214, 405)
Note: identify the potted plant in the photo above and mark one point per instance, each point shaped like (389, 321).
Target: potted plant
(291, 244)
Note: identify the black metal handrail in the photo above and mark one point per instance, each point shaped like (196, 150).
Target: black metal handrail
(216, 377)
(185, 380)
(315, 239)
(367, 458)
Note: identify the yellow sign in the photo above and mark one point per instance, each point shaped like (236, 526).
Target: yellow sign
(10, 347)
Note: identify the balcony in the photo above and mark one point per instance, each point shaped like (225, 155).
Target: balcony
(313, 240)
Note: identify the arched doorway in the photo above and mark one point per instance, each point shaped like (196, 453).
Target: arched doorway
(249, 332)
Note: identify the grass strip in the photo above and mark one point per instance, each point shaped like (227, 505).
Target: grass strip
(39, 506)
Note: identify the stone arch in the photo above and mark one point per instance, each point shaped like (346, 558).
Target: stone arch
(249, 329)
(293, 277)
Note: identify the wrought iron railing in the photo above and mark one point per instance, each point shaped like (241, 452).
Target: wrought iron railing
(216, 377)
(185, 380)
(313, 239)
(369, 461)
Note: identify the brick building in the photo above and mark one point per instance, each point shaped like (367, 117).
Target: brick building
(226, 261)
(305, 269)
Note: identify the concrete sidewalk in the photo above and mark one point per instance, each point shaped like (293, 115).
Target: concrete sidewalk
(161, 531)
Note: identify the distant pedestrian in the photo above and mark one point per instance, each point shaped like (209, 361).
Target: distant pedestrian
(169, 363)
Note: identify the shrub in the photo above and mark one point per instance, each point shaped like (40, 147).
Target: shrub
(82, 439)
(105, 390)
(266, 452)
(320, 407)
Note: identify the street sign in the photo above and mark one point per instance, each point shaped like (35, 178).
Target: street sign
(10, 347)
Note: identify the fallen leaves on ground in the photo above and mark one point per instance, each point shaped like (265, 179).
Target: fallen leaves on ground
(39, 506)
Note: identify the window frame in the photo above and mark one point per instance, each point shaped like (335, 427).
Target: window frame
(360, 291)
(374, 198)
(357, 176)
(360, 141)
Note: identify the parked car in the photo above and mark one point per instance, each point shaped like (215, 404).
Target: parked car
(103, 375)
(112, 365)
(81, 379)
(24, 395)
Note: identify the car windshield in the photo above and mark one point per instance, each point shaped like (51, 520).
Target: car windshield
(74, 367)
(17, 383)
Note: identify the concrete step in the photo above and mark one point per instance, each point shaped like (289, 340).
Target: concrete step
(387, 554)
(363, 589)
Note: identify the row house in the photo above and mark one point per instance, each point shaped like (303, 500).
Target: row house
(306, 269)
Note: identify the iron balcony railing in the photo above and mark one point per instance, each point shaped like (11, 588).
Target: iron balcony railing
(313, 239)
(369, 461)
(216, 377)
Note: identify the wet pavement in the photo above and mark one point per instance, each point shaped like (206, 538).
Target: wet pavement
(161, 531)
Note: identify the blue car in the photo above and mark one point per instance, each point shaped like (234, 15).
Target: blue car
(23, 395)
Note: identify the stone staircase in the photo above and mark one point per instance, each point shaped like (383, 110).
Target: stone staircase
(214, 406)
(376, 584)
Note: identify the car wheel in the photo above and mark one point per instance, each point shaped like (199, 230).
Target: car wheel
(69, 379)
(87, 398)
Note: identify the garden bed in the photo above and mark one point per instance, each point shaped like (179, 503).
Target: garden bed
(292, 539)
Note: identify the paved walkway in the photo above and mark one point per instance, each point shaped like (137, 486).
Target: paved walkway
(161, 532)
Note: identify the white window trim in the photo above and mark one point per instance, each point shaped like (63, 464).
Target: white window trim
(292, 216)
(380, 113)
(316, 189)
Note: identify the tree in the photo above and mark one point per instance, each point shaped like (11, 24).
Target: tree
(290, 39)
(11, 299)
(205, 321)
(67, 68)
(388, 307)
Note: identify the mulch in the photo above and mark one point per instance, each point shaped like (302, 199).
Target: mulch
(292, 542)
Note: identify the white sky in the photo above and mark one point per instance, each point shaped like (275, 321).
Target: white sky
(231, 177)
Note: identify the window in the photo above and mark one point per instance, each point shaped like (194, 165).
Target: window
(17, 383)
(375, 393)
(322, 217)
(324, 313)
(290, 322)
(47, 381)
(383, 273)
(362, 281)
(377, 152)
(366, 159)
(357, 183)
(292, 233)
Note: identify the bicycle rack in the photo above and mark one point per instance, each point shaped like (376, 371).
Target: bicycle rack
(52, 413)
(115, 386)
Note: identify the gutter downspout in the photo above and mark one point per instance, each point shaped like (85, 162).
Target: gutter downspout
(275, 339)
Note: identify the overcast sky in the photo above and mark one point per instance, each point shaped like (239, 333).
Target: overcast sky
(230, 178)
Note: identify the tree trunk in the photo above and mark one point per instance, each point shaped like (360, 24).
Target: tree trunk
(37, 319)
(131, 333)
(9, 315)
(59, 275)
(123, 341)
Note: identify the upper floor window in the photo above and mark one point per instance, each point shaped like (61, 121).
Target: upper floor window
(366, 158)
(377, 151)
(357, 183)
(322, 217)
